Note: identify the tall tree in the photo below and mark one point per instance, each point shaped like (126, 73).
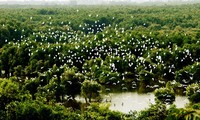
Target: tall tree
(90, 90)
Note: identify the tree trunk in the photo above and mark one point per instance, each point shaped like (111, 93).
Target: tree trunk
(58, 98)
(90, 98)
(86, 100)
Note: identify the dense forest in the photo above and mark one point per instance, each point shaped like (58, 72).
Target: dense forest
(49, 55)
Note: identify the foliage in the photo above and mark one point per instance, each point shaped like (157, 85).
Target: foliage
(52, 54)
(71, 82)
(90, 89)
(9, 92)
(185, 114)
(102, 112)
(193, 93)
(165, 95)
(154, 112)
(32, 110)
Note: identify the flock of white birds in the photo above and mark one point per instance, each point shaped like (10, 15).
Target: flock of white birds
(89, 46)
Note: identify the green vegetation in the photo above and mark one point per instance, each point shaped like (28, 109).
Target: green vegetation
(49, 55)
(90, 89)
(193, 93)
(165, 95)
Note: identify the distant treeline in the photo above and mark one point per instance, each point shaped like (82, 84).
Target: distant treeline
(99, 2)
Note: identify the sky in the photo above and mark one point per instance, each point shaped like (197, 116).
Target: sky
(90, 1)
(102, 0)
(94, 0)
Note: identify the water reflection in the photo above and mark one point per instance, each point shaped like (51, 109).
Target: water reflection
(131, 101)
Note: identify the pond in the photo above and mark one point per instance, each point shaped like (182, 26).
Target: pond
(131, 101)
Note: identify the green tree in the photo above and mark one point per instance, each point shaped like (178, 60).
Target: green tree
(90, 90)
(156, 111)
(145, 78)
(72, 82)
(58, 72)
(9, 92)
(102, 112)
(8, 59)
(193, 93)
(36, 110)
(19, 71)
(50, 92)
(165, 95)
(182, 114)
(31, 86)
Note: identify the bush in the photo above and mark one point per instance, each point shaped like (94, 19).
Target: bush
(35, 110)
(165, 95)
(182, 114)
(154, 112)
(196, 106)
(193, 93)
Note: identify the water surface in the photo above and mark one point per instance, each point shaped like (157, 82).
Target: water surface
(131, 101)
